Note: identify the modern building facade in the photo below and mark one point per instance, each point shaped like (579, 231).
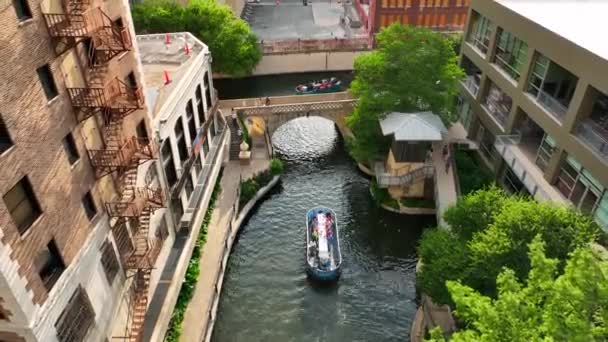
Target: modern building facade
(440, 15)
(189, 129)
(79, 225)
(535, 98)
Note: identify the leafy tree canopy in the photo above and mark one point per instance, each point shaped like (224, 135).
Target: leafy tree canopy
(491, 230)
(234, 47)
(412, 69)
(570, 307)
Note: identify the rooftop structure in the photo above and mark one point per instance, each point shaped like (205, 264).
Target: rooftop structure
(177, 55)
(424, 126)
(189, 129)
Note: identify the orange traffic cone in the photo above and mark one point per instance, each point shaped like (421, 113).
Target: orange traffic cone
(167, 79)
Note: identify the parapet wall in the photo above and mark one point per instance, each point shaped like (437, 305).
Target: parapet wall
(306, 62)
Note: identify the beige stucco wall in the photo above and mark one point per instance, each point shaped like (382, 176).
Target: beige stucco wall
(416, 189)
(306, 62)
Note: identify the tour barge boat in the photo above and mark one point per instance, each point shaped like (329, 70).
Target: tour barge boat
(323, 257)
(323, 86)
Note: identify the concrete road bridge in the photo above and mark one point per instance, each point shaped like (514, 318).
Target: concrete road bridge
(281, 109)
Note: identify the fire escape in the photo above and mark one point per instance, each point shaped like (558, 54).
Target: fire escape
(110, 100)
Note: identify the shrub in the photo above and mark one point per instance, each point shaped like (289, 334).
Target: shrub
(249, 188)
(472, 175)
(246, 137)
(276, 166)
(381, 196)
(192, 272)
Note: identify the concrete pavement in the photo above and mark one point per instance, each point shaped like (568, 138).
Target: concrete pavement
(197, 313)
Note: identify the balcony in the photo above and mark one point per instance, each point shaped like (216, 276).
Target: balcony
(472, 84)
(551, 86)
(508, 146)
(480, 32)
(130, 154)
(473, 75)
(498, 104)
(595, 136)
(510, 53)
(137, 204)
(115, 98)
(552, 105)
(107, 38)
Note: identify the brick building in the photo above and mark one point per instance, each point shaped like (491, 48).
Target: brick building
(79, 227)
(441, 15)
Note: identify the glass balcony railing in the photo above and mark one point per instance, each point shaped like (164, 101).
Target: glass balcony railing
(471, 83)
(595, 136)
(506, 145)
(552, 105)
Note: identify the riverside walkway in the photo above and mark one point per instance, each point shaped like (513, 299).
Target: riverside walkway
(446, 190)
(194, 326)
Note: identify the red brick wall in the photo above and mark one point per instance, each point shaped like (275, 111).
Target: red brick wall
(442, 15)
(37, 128)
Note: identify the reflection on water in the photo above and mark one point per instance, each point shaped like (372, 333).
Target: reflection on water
(273, 85)
(266, 295)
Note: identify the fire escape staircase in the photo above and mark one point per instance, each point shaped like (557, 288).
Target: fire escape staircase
(78, 23)
(114, 100)
(386, 179)
(140, 203)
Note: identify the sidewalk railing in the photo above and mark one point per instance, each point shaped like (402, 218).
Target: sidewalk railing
(223, 262)
(316, 45)
(269, 146)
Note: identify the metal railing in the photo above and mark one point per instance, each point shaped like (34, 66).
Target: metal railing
(594, 135)
(223, 262)
(386, 179)
(497, 110)
(504, 145)
(303, 107)
(115, 94)
(316, 45)
(269, 146)
(552, 105)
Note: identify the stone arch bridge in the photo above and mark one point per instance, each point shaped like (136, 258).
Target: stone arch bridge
(332, 106)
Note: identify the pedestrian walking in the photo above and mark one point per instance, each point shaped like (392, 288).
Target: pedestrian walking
(268, 101)
(444, 152)
(448, 162)
(429, 155)
(233, 114)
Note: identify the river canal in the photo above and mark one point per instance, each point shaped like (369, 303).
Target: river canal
(266, 295)
(273, 85)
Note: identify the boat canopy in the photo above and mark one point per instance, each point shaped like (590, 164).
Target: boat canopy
(322, 236)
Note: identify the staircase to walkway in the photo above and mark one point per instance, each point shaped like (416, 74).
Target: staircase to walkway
(235, 140)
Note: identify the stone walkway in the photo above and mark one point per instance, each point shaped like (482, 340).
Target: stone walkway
(196, 314)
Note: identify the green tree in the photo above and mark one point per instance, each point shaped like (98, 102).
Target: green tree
(491, 230)
(234, 47)
(412, 69)
(447, 258)
(571, 307)
(475, 211)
